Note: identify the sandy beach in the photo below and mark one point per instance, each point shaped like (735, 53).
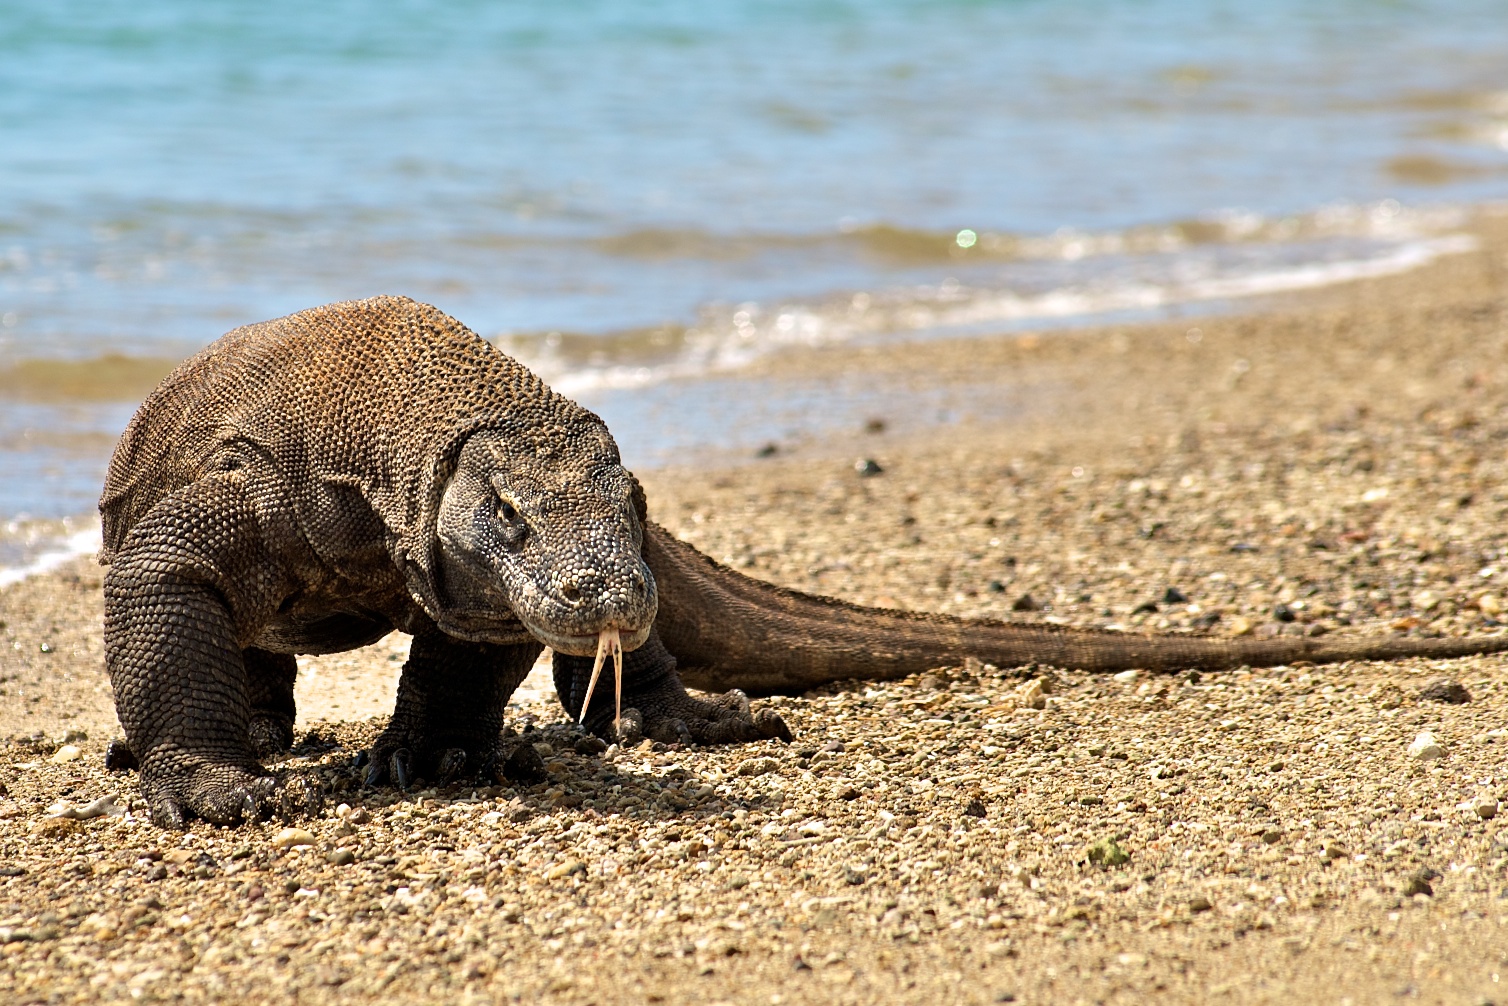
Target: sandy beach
(1326, 463)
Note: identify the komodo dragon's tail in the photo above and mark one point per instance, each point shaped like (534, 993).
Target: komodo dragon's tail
(727, 630)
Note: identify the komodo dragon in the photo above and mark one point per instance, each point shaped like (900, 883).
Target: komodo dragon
(309, 484)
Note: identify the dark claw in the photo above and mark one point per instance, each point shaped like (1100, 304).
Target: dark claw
(452, 765)
(376, 775)
(490, 769)
(166, 813)
(769, 724)
(629, 731)
(362, 757)
(402, 767)
(118, 757)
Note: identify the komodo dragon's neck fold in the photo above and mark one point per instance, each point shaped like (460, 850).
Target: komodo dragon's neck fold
(730, 631)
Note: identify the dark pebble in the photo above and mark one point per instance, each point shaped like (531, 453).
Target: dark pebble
(1207, 619)
(590, 744)
(1025, 603)
(1174, 596)
(767, 451)
(874, 426)
(291, 886)
(1144, 608)
(975, 809)
(1445, 690)
(867, 467)
(255, 893)
(995, 587)
(1241, 546)
(158, 872)
(12, 871)
(1283, 613)
(1419, 883)
(524, 766)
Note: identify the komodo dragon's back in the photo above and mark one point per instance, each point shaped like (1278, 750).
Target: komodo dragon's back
(364, 394)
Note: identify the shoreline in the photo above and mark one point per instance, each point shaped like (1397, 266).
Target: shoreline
(1325, 462)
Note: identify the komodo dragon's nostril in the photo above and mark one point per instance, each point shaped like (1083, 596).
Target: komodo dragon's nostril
(571, 593)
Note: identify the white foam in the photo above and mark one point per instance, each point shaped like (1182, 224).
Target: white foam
(710, 352)
(79, 543)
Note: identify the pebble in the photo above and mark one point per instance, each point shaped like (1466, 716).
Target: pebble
(1445, 690)
(1488, 604)
(1033, 695)
(757, 766)
(1107, 852)
(1241, 626)
(66, 754)
(1126, 677)
(867, 467)
(290, 837)
(1426, 600)
(1426, 748)
(569, 868)
(1486, 807)
(341, 857)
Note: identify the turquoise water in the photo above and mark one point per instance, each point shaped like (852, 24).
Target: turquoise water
(631, 193)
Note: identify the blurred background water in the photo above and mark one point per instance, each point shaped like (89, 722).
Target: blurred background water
(635, 197)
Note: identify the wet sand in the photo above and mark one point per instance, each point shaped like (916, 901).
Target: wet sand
(1326, 463)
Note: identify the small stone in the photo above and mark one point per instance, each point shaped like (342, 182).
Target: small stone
(1419, 883)
(1333, 851)
(54, 827)
(1241, 626)
(66, 754)
(359, 815)
(341, 857)
(524, 766)
(751, 767)
(867, 467)
(1272, 836)
(590, 744)
(290, 837)
(1486, 807)
(1445, 690)
(1425, 748)
(1426, 600)
(1199, 903)
(569, 868)
(1174, 596)
(1025, 603)
(1126, 677)
(1283, 613)
(1107, 852)
(975, 809)
(1033, 695)
(1488, 604)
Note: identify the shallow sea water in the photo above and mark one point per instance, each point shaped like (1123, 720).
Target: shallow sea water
(636, 198)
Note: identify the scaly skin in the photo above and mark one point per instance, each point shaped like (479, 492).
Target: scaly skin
(307, 485)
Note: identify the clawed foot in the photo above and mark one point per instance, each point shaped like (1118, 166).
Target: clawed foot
(401, 767)
(673, 716)
(224, 794)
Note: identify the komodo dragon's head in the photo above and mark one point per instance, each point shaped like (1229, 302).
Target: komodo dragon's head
(547, 529)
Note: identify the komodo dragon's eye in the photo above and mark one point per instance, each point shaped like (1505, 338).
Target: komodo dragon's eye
(506, 511)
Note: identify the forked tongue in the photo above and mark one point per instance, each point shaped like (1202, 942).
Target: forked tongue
(607, 642)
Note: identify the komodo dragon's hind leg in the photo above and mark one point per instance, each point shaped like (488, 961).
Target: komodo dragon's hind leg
(449, 718)
(269, 685)
(187, 583)
(656, 704)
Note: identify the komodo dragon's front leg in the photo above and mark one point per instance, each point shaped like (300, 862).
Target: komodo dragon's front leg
(185, 591)
(448, 721)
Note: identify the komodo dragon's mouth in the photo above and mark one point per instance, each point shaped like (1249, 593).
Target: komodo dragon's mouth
(589, 645)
